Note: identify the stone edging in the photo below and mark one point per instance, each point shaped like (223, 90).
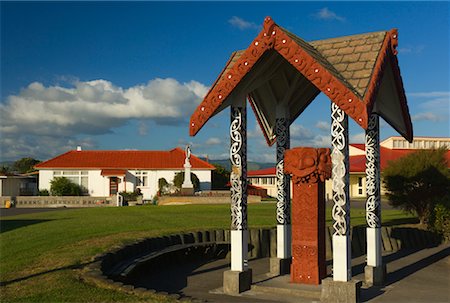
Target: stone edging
(262, 243)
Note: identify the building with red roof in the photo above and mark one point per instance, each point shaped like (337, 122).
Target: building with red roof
(103, 173)
(391, 149)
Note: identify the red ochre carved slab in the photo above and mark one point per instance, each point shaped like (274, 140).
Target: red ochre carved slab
(309, 167)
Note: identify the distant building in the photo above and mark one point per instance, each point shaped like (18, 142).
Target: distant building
(17, 185)
(103, 173)
(390, 149)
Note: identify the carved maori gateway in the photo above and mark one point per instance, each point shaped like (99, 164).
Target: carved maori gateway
(280, 74)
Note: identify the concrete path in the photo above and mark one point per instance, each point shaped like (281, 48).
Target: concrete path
(413, 276)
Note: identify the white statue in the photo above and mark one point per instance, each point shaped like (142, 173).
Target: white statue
(188, 153)
(187, 170)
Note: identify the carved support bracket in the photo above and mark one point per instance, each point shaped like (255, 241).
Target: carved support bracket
(310, 168)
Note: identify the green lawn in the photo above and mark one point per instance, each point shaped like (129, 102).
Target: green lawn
(41, 255)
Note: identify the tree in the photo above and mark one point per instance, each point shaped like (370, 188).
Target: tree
(220, 177)
(24, 165)
(415, 182)
(179, 179)
(61, 186)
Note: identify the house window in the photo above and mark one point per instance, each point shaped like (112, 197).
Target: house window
(79, 177)
(360, 189)
(141, 178)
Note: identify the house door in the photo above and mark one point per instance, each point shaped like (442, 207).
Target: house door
(113, 185)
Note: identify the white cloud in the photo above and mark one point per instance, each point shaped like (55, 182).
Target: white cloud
(426, 116)
(93, 107)
(143, 128)
(299, 132)
(431, 106)
(242, 24)
(429, 94)
(323, 125)
(327, 14)
(214, 141)
(417, 49)
(358, 138)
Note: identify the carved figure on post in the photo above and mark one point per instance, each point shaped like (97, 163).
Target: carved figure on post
(309, 167)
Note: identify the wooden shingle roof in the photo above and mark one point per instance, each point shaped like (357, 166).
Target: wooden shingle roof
(358, 73)
(353, 57)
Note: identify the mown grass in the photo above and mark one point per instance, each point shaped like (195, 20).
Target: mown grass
(42, 254)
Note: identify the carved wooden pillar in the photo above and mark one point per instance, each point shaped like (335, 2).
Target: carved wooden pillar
(283, 191)
(310, 168)
(375, 271)
(342, 270)
(238, 180)
(239, 278)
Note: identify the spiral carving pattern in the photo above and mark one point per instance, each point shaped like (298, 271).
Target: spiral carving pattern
(238, 176)
(283, 180)
(340, 175)
(373, 172)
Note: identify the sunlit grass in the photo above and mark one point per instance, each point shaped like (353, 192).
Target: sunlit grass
(40, 253)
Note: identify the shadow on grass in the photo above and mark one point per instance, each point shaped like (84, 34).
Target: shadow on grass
(73, 266)
(8, 225)
(400, 221)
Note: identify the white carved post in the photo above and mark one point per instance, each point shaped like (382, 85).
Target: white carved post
(238, 180)
(375, 271)
(239, 278)
(283, 199)
(341, 205)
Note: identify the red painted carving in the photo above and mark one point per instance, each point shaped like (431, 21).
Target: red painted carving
(388, 53)
(309, 168)
(273, 37)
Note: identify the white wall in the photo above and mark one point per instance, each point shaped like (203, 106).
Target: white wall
(45, 176)
(98, 185)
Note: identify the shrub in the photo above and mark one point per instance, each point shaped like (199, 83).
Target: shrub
(415, 182)
(220, 177)
(61, 186)
(440, 217)
(162, 186)
(44, 192)
(179, 178)
(130, 196)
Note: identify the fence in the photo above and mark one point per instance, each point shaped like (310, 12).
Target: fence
(52, 201)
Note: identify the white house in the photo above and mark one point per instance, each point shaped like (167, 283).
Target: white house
(104, 173)
(390, 149)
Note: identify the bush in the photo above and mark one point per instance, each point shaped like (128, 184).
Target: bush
(61, 186)
(179, 179)
(415, 182)
(220, 178)
(130, 196)
(44, 192)
(440, 218)
(162, 186)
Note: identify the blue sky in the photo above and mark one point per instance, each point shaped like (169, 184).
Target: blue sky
(128, 75)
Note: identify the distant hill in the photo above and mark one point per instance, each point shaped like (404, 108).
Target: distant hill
(250, 165)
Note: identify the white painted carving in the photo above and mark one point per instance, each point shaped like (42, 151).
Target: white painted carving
(238, 176)
(373, 172)
(283, 180)
(339, 158)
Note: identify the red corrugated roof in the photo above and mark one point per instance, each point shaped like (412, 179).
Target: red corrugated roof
(262, 172)
(357, 163)
(126, 159)
(113, 172)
